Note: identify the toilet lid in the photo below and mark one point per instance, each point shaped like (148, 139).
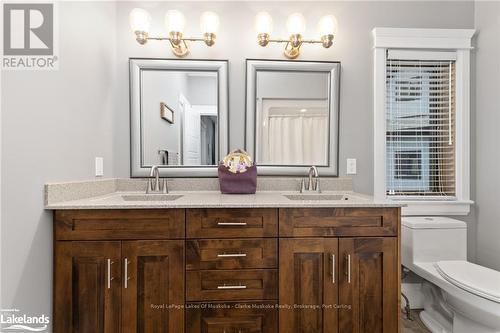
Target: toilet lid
(476, 279)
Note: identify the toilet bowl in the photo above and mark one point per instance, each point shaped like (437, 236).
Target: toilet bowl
(460, 297)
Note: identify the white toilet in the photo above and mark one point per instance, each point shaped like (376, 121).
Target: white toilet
(459, 296)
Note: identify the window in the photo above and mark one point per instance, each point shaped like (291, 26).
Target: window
(420, 127)
(421, 119)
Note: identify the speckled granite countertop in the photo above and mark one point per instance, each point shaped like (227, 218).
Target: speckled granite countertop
(271, 192)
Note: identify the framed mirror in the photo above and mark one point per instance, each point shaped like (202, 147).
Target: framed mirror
(178, 116)
(292, 116)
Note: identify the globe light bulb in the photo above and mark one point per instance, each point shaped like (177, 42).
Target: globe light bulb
(209, 23)
(263, 23)
(174, 21)
(328, 25)
(140, 20)
(296, 24)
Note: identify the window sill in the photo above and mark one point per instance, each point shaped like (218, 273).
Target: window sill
(433, 208)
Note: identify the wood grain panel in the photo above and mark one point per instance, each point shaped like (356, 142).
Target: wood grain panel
(232, 223)
(258, 317)
(307, 284)
(107, 224)
(231, 254)
(154, 295)
(372, 292)
(82, 300)
(250, 285)
(338, 222)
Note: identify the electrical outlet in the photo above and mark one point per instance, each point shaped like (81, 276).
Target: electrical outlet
(99, 166)
(351, 166)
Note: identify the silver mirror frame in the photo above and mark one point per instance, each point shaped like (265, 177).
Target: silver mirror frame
(136, 65)
(333, 68)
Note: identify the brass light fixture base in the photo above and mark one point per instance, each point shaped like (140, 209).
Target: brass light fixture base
(179, 45)
(209, 38)
(327, 41)
(263, 39)
(292, 48)
(141, 37)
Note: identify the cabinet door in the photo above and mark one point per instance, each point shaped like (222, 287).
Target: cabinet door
(153, 288)
(308, 285)
(87, 287)
(369, 285)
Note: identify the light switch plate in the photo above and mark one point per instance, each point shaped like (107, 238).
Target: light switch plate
(351, 166)
(99, 166)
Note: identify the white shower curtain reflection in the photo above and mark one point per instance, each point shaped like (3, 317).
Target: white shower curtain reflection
(296, 140)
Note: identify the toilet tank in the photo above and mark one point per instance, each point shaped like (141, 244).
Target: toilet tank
(431, 239)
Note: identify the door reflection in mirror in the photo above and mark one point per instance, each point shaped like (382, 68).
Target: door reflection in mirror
(192, 138)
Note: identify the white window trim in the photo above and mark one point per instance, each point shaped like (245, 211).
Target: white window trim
(459, 41)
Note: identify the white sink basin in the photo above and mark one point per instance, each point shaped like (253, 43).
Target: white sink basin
(315, 197)
(150, 197)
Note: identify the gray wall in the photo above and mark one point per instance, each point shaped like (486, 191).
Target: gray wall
(53, 125)
(61, 120)
(486, 154)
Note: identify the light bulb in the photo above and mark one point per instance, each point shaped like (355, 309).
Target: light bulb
(140, 20)
(209, 22)
(296, 24)
(327, 25)
(174, 21)
(263, 23)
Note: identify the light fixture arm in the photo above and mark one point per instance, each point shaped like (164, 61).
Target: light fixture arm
(293, 44)
(179, 44)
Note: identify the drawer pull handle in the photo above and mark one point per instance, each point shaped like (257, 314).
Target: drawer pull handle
(348, 268)
(109, 263)
(232, 287)
(231, 224)
(333, 267)
(231, 255)
(126, 262)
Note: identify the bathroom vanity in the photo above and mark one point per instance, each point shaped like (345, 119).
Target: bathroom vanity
(259, 265)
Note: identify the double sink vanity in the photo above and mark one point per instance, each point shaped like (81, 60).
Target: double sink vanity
(195, 260)
(175, 255)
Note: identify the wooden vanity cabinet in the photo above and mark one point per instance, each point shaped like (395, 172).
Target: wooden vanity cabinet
(330, 270)
(102, 284)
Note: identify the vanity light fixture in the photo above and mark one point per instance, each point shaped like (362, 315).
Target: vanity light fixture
(140, 22)
(296, 25)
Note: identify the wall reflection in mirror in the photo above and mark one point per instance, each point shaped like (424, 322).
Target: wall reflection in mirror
(292, 117)
(179, 118)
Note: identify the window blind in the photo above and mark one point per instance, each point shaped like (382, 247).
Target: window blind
(420, 127)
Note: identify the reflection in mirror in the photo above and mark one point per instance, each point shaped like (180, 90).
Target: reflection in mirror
(179, 118)
(292, 116)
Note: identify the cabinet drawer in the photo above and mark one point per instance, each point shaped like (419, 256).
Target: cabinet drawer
(119, 224)
(232, 285)
(258, 317)
(324, 222)
(231, 253)
(232, 223)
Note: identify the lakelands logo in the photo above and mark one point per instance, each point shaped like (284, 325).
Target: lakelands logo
(14, 320)
(29, 36)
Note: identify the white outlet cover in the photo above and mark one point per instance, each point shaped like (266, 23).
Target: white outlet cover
(351, 166)
(99, 166)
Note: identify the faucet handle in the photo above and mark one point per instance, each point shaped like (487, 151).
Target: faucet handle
(302, 185)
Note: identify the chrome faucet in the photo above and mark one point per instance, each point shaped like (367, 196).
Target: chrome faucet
(154, 186)
(313, 183)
